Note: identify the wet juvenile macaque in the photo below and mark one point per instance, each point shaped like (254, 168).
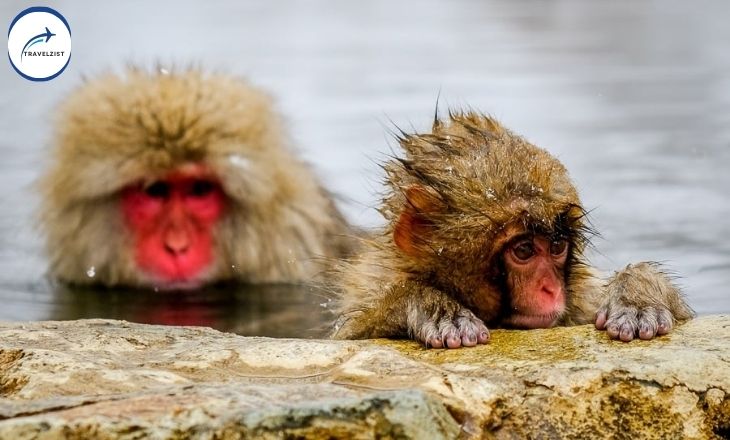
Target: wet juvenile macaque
(175, 180)
(485, 229)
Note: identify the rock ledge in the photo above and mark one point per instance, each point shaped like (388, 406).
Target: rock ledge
(114, 379)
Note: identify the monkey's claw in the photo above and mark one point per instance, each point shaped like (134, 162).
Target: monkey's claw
(461, 329)
(628, 322)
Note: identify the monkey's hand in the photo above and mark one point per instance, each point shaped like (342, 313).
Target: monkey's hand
(642, 301)
(441, 322)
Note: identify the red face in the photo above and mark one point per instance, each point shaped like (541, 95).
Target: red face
(536, 280)
(172, 222)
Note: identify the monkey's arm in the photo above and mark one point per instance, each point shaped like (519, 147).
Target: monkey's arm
(641, 300)
(411, 309)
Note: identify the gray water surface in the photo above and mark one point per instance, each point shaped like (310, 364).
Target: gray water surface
(634, 97)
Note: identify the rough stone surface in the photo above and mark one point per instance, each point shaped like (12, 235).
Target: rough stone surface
(113, 379)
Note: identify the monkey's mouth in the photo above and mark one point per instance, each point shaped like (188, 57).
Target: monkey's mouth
(177, 281)
(177, 272)
(533, 321)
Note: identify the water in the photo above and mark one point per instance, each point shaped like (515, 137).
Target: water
(634, 97)
(271, 310)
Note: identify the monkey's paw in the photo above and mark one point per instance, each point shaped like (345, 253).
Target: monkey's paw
(642, 302)
(453, 331)
(626, 322)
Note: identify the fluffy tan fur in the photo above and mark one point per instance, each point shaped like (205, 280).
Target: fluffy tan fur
(472, 185)
(119, 129)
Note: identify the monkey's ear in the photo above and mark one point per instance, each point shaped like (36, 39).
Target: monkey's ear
(414, 226)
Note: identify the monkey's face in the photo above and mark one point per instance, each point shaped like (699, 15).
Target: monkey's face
(516, 276)
(535, 280)
(172, 221)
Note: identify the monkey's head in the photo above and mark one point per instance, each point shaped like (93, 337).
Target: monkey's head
(485, 216)
(175, 179)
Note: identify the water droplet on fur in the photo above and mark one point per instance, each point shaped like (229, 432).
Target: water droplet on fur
(239, 161)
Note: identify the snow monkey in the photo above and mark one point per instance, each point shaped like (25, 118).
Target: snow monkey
(179, 179)
(486, 229)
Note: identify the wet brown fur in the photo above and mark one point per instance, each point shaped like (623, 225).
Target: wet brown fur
(466, 189)
(119, 129)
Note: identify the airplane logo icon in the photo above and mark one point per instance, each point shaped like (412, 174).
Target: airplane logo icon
(35, 40)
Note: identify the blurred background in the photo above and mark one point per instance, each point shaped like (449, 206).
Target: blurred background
(634, 97)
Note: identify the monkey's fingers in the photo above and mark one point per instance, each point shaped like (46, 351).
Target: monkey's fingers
(627, 322)
(665, 322)
(464, 329)
(622, 327)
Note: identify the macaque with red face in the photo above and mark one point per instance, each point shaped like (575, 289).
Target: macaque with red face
(178, 179)
(485, 229)
(534, 264)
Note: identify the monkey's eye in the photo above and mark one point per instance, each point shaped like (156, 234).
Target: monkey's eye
(523, 251)
(201, 188)
(558, 246)
(158, 190)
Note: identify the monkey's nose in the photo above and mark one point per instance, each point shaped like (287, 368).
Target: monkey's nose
(177, 241)
(549, 291)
